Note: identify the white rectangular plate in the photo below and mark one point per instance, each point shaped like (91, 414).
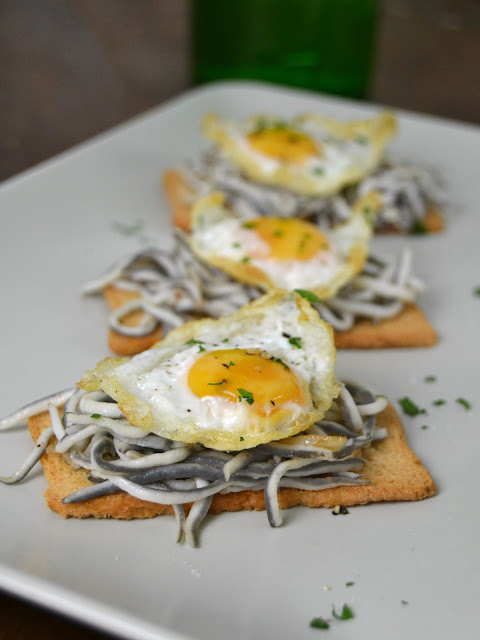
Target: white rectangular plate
(415, 566)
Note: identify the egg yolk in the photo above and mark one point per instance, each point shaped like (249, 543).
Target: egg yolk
(289, 238)
(252, 376)
(283, 143)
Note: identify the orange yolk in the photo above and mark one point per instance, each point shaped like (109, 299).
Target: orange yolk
(289, 238)
(284, 144)
(241, 375)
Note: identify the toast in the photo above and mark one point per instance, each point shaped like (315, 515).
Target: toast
(409, 328)
(392, 469)
(118, 342)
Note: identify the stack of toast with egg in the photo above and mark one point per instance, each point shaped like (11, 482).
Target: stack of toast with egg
(297, 257)
(261, 164)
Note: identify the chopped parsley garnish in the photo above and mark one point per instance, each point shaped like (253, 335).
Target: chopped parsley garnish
(350, 583)
(361, 139)
(476, 291)
(127, 229)
(217, 383)
(225, 339)
(297, 342)
(246, 259)
(424, 426)
(369, 215)
(95, 415)
(319, 623)
(347, 613)
(280, 361)
(264, 124)
(231, 364)
(199, 342)
(245, 395)
(308, 295)
(419, 227)
(236, 245)
(430, 379)
(409, 407)
(464, 402)
(293, 137)
(404, 601)
(278, 233)
(439, 402)
(242, 438)
(319, 171)
(249, 225)
(303, 241)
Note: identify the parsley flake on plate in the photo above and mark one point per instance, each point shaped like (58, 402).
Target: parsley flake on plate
(127, 229)
(464, 403)
(319, 623)
(419, 227)
(409, 407)
(346, 614)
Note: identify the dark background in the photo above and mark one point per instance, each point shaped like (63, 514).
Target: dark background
(71, 69)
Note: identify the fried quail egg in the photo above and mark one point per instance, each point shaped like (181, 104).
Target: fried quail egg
(264, 373)
(310, 154)
(288, 253)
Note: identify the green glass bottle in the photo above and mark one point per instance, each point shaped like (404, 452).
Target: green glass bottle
(324, 45)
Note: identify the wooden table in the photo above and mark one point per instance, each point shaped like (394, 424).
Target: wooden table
(71, 69)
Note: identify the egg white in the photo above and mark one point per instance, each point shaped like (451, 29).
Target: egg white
(219, 237)
(348, 151)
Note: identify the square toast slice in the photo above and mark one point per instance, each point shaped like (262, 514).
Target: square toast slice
(393, 470)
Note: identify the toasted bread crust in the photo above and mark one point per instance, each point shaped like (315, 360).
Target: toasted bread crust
(409, 328)
(180, 197)
(128, 345)
(434, 221)
(392, 468)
